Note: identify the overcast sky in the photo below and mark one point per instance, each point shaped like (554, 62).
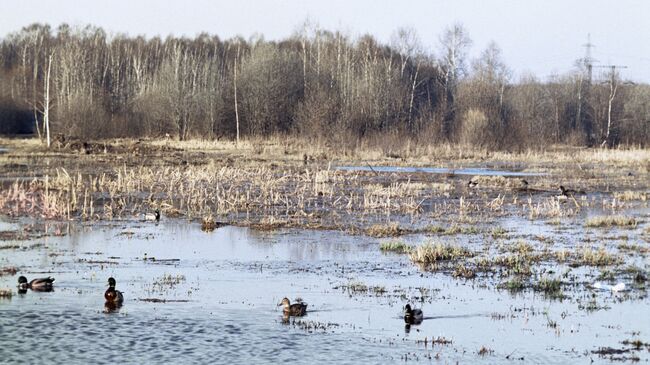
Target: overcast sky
(537, 36)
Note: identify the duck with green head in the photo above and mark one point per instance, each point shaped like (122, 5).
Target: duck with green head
(111, 295)
(40, 284)
(296, 309)
(413, 316)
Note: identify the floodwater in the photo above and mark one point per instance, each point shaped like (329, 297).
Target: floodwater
(222, 290)
(474, 171)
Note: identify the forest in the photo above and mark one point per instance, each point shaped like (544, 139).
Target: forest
(316, 84)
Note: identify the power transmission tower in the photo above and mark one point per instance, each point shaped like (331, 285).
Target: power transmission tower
(588, 60)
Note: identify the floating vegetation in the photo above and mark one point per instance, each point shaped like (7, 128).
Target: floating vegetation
(6, 293)
(592, 306)
(159, 300)
(435, 341)
(11, 270)
(168, 280)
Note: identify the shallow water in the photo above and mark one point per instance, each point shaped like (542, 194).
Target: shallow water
(233, 279)
(441, 170)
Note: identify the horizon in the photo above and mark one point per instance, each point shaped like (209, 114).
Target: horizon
(540, 53)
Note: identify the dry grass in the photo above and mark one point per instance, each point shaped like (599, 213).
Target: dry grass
(429, 253)
(629, 195)
(384, 230)
(610, 221)
(521, 247)
(598, 257)
(484, 351)
(395, 246)
(208, 224)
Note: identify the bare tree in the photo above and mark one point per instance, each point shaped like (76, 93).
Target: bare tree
(454, 44)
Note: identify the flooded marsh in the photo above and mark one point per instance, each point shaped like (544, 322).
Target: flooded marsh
(505, 268)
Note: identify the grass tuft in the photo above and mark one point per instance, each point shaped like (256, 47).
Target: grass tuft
(385, 230)
(611, 221)
(429, 253)
(396, 246)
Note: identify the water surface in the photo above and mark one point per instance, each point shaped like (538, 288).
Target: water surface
(223, 307)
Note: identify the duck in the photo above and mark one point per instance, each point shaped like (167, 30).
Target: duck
(472, 184)
(297, 309)
(155, 216)
(412, 316)
(40, 284)
(570, 192)
(111, 295)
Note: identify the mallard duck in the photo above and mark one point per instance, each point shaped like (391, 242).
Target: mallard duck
(155, 216)
(111, 295)
(567, 192)
(570, 192)
(297, 309)
(412, 316)
(40, 284)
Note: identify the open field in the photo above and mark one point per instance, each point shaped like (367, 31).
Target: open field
(489, 243)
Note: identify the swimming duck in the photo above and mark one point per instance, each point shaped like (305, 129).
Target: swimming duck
(40, 284)
(155, 216)
(297, 309)
(111, 295)
(412, 316)
(570, 192)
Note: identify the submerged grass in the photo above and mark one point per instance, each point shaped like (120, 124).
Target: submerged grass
(514, 285)
(551, 287)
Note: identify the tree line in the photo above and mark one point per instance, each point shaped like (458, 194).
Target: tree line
(315, 83)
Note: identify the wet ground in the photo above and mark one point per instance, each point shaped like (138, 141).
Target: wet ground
(220, 290)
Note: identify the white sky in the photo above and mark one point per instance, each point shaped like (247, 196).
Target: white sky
(537, 36)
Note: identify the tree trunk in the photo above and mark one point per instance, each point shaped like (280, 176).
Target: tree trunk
(46, 105)
(235, 82)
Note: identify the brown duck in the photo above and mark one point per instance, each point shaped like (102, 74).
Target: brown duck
(297, 309)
